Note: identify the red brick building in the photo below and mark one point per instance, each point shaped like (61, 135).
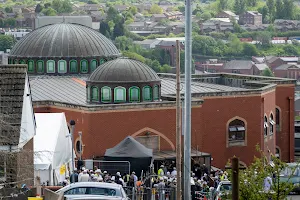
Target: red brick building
(231, 114)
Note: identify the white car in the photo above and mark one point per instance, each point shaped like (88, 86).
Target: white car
(224, 188)
(93, 190)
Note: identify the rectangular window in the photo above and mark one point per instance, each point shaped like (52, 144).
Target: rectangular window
(84, 66)
(134, 94)
(120, 95)
(40, 67)
(62, 68)
(50, 67)
(147, 94)
(30, 66)
(105, 94)
(73, 66)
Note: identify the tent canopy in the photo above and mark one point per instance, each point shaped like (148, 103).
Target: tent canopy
(129, 148)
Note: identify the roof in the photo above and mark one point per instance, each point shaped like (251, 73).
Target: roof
(261, 66)
(228, 12)
(253, 12)
(123, 70)
(159, 15)
(129, 148)
(289, 59)
(287, 66)
(238, 64)
(12, 86)
(64, 40)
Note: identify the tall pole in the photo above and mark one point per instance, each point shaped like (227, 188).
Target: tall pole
(80, 147)
(72, 123)
(235, 178)
(178, 123)
(188, 69)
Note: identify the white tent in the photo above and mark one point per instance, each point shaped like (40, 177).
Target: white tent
(52, 146)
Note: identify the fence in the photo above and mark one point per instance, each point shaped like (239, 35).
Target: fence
(162, 194)
(111, 167)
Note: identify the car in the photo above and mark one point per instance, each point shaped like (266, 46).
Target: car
(224, 188)
(93, 190)
(291, 174)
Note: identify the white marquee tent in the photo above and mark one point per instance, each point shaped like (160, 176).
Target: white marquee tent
(52, 147)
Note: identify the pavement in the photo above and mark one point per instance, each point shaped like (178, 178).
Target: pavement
(293, 197)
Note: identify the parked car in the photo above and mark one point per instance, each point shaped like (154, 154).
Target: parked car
(86, 190)
(224, 188)
(291, 174)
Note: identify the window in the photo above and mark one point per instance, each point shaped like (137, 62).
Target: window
(62, 66)
(272, 123)
(88, 93)
(16, 61)
(120, 94)
(40, 66)
(277, 153)
(93, 191)
(94, 65)
(84, 66)
(277, 118)
(106, 94)
(78, 147)
(147, 96)
(155, 93)
(73, 66)
(266, 126)
(95, 94)
(30, 66)
(134, 94)
(22, 62)
(50, 66)
(236, 132)
(102, 60)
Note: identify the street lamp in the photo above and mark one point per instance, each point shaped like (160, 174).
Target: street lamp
(72, 123)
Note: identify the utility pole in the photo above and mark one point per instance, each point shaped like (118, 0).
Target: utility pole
(235, 178)
(80, 147)
(178, 123)
(187, 101)
(72, 123)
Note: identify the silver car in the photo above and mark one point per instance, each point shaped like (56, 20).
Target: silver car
(93, 190)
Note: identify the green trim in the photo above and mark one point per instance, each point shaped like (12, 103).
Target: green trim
(109, 94)
(16, 61)
(65, 66)
(115, 94)
(144, 93)
(30, 66)
(94, 64)
(22, 62)
(155, 93)
(102, 60)
(70, 66)
(95, 93)
(88, 93)
(86, 69)
(37, 66)
(131, 89)
(48, 67)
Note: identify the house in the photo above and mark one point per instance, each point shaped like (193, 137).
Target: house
(259, 68)
(286, 25)
(98, 16)
(217, 24)
(239, 67)
(250, 27)
(275, 62)
(17, 125)
(207, 27)
(177, 27)
(137, 26)
(88, 8)
(250, 17)
(148, 44)
(291, 70)
(173, 15)
(158, 17)
(211, 65)
(227, 14)
(46, 20)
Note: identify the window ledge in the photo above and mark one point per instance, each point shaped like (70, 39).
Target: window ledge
(236, 143)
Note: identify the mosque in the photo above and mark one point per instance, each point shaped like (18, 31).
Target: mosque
(76, 70)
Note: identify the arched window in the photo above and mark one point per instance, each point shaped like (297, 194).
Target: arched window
(16, 61)
(147, 95)
(155, 92)
(40, 66)
(266, 126)
(106, 94)
(84, 66)
(94, 65)
(277, 119)
(73, 66)
(120, 94)
(62, 66)
(102, 60)
(134, 94)
(272, 123)
(50, 66)
(30, 66)
(236, 132)
(88, 93)
(22, 62)
(95, 94)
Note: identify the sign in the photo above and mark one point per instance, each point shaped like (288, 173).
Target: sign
(62, 170)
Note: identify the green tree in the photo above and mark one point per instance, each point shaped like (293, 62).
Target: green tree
(92, 2)
(181, 9)
(265, 14)
(105, 29)
(38, 8)
(239, 6)
(8, 9)
(271, 9)
(267, 72)
(264, 39)
(156, 9)
(134, 56)
(235, 44)
(291, 50)
(133, 10)
(111, 14)
(49, 11)
(123, 43)
(165, 68)
(62, 6)
(223, 4)
(6, 42)
(288, 9)
(249, 49)
(154, 64)
(10, 22)
(251, 3)
(205, 16)
(279, 9)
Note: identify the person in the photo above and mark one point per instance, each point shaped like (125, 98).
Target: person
(160, 172)
(66, 181)
(126, 178)
(205, 169)
(216, 182)
(84, 177)
(267, 183)
(174, 172)
(98, 173)
(119, 180)
(74, 176)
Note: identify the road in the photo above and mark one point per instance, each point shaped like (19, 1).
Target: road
(294, 197)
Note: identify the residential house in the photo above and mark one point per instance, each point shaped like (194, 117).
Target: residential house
(88, 8)
(145, 6)
(250, 27)
(207, 27)
(173, 15)
(259, 68)
(148, 44)
(211, 65)
(121, 8)
(170, 47)
(275, 62)
(288, 71)
(177, 27)
(217, 24)
(239, 67)
(227, 14)
(158, 17)
(17, 125)
(164, 3)
(250, 17)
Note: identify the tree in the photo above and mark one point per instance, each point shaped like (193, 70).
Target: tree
(92, 2)
(267, 72)
(111, 14)
(291, 50)
(235, 44)
(264, 12)
(251, 3)
(249, 49)
(271, 8)
(62, 6)
(8, 9)
(156, 9)
(134, 56)
(288, 8)
(123, 43)
(279, 9)
(205, 16)
(223, 5)
(6, 42)
(105, 29)
(181, 9)
(154, 64)
(239, 6)
(49, 11)
(133, 10)
(10, 22)
(264, 39)
(165, 68)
